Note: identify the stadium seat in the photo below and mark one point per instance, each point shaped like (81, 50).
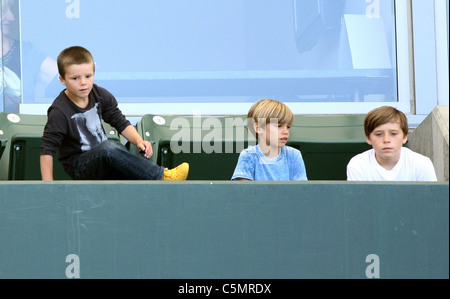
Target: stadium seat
(210, 144)
(21, 137)
(2, 146)
(328, 142)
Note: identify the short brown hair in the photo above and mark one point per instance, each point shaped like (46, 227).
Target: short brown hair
(269, 110)
(384, 115)
(73, 55)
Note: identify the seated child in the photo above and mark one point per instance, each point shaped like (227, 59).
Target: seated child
(386, 129)
(270, 159)
(74, 127)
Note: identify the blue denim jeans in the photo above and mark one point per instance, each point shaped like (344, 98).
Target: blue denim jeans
(111, 160)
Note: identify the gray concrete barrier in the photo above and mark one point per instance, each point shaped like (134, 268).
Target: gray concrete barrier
(191, 230)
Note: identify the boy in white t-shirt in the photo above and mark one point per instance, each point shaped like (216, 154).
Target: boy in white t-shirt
(386, 129)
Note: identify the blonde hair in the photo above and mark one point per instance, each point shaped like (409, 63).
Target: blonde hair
(73, 55)
(266, 111)
(384, 115)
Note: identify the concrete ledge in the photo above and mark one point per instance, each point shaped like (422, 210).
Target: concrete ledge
(431, 139)
(258, 230)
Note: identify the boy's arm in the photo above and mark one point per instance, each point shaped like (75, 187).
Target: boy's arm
(47, 167)
(131, 134)
(426, 171)
(300, 168)
(355, 172)
(245, 168)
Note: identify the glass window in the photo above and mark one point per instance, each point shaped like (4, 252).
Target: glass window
(10, 70)
(222, 53)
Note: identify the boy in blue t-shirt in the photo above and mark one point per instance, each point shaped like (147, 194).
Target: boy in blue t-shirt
(271, 159)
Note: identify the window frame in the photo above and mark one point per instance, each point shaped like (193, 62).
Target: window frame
(404, 78)
(410, 41)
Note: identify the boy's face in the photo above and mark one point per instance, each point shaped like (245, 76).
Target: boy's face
(275, 135)
(79, 80)
(387, 141)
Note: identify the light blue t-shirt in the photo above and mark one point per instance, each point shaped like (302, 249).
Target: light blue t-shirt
(253, 165)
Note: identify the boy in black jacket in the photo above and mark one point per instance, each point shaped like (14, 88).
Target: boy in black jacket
(74, 127)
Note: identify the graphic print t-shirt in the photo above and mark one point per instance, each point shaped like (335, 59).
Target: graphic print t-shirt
(90, 128)
(73, 130)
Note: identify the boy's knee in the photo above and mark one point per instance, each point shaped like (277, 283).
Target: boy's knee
(111, 146)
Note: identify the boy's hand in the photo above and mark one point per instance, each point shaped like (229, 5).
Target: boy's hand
(133, 136)
(147, 148)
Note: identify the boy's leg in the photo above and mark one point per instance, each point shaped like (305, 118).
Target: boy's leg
(112, 161)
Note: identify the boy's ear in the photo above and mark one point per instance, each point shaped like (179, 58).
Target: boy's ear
(405, 139)
(257, 128)
(61, 79)
(368, 140)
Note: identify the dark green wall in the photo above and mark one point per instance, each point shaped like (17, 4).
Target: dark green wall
(223, 229)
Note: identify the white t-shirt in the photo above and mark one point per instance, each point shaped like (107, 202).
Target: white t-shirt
(411, 166)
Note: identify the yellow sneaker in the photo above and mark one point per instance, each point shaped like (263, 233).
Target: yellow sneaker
(179, 173)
